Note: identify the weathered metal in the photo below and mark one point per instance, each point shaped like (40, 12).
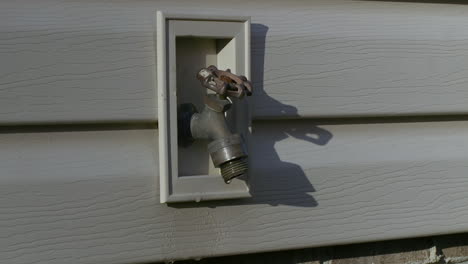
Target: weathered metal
(226, 148)
(225, 83)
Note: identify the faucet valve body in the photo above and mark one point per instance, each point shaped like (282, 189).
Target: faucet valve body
(226, 149)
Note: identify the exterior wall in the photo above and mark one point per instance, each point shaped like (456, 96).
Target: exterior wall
(94, 61)
(359, 130)
(448, 249)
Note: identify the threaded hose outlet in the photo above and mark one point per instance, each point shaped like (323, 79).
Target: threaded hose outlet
(233, 169)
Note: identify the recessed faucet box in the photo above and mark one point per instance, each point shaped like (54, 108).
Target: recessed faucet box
(185, 45)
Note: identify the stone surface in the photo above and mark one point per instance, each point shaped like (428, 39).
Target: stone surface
(448, 249)
(453, 245)
(400, 251)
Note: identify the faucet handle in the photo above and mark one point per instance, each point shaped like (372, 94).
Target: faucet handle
(224, 82)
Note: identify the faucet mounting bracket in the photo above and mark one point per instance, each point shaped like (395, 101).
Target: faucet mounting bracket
(201, 137)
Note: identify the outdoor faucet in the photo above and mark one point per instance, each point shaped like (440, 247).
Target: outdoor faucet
(226, 148)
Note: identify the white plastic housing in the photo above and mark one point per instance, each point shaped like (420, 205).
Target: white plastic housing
(185, 44)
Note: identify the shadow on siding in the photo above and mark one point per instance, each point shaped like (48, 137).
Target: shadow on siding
(273, 181)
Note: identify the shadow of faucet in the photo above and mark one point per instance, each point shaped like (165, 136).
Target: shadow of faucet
(275, 181)
(272, 180)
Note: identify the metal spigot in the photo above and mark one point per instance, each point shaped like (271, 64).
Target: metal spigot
(226, 149)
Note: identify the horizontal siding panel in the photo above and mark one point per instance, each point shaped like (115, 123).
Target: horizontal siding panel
(95, 62)
(93, 196)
